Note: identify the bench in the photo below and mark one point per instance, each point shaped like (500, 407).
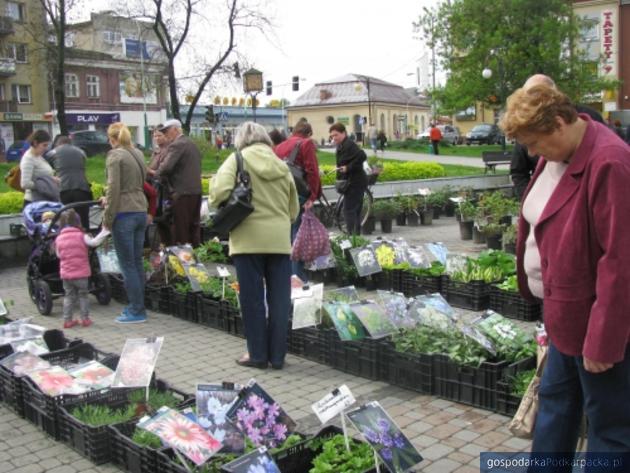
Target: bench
(493, 158)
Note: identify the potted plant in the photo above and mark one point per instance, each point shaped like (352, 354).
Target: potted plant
(385, 210)
(509, 239)
(493, 233)
(426, 210)
(449, 206)
(401, 218)
(437, 199)
(410, 207)
(466, 216)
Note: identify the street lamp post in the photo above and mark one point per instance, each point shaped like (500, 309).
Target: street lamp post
(253, 85)
(487, 74)
(147, 139)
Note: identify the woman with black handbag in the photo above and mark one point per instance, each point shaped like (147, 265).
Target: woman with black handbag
(260, 245)
(351, 179)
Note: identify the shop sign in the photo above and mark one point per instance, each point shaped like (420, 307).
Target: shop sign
(92, 118)
(608, 35)
(344, 120)
(13, 117)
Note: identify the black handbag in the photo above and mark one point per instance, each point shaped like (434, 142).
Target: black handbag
(298, 173)
(341, 185)
(239, 205)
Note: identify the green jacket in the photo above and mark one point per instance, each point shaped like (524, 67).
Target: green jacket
(126, 172)
(267, 230)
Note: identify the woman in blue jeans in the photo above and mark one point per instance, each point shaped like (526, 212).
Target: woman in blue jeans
(125, 215)
(260, 246)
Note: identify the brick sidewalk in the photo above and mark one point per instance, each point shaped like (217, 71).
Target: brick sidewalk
(449, 435)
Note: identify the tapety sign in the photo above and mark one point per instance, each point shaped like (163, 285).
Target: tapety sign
(608, 42)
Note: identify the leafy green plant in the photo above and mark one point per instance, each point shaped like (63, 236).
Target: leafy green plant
(436, 269)
(403, 171)
(95, 415)
(510, 284)
(490, 266)
(183, 287)
(509, 234)
(386, 208)
(211, 252)
(520, 382)
(157, 398)
(467, 211)
(334, 458)
(11, 202)
(145, 438)
(213, 287)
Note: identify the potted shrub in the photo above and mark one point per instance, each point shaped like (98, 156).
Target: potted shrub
(385, 210)
(509, 239)
(493, 233)
(437, 199)
(426, 210)
(369, 225)
(466, 216)
(401, 218)
(410, 206)
(449, 206)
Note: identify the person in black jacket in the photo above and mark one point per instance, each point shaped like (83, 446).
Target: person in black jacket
(523, 165)
(350, 159)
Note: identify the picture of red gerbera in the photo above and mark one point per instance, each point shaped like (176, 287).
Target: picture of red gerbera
(53, 381)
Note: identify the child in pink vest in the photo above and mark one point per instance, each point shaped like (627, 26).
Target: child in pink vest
(71, 246)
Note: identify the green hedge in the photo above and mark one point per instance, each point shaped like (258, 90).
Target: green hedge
(403, 171)
(11, 202)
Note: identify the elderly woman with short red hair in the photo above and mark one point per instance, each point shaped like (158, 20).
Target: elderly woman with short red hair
(573, 253)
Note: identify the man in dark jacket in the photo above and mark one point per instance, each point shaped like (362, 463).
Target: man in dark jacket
(74, 186)
(181, 169)
(523, 165)
(350, 159)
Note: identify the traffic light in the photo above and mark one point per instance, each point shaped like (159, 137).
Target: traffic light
(269, 88)
(237, 70)
(296, 83)
(210, 117)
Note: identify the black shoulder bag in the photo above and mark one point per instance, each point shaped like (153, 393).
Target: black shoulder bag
(239, 205)
(298, 173)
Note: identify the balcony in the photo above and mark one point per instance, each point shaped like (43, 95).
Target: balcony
(7, 67)
(6, 25)
(8, 106)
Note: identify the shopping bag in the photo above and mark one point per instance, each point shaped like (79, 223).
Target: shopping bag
(311, 240)
(108, 259)
(522, 425)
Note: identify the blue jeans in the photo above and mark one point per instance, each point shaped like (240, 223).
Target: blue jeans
(128, 233)
(266, 336)
(297, 267)
(567, 390)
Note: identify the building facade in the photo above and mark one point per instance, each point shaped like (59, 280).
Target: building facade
(358, 101)
(24, 89)
(115, 71)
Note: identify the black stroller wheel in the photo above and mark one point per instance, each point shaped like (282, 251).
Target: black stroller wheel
(32, 291)
(43, 297)
(102, 289)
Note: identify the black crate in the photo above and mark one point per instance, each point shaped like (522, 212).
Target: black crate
(474, 295)
(412, 371)
(233, 318)
(94, 443)
(55, 340)
(507, 403)
(415, 285)
(119, 293)
(512, 305)
(211, 314)
(184, 306)
(365, 358)
(42, 410)
(295, 342)
(157, 298)
(128, 455)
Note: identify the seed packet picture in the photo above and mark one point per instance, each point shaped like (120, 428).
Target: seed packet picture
(347, 324)
(178, 431)
(213, 403)
(93, 375)
(258, 461)
(395, 306)
(385, 437)
(22, 363)
(137, 362)
(307, 310)
(365, 261)
(374, 319)
(55, 381)
(260, 418)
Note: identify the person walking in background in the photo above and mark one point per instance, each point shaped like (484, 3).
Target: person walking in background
(71, 247)
(435, 135)
(350, 159)
(523, 163)
(261, 246)
(70, 166)
(125, 215)
(33, 166)
(163, 216)
(307, 160)
(182, 169)
(372, 134)
(572, 254)
(382, 141)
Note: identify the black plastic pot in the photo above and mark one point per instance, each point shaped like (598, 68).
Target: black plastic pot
(494, 241)
(437, 211)
(426, 217)
(368, 226)
(413, 220)
(401, 219)
(478, 237)
(449, 209)
(386, 225)
(466, 230)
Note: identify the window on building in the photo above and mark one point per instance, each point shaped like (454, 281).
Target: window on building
(16, 11)
(112, 37)
(21, 93)
(93, 86)
(72, 85)
(18, 52)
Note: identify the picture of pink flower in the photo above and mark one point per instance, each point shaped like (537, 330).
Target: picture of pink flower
(93, 374)
(137, 362)
(53, 381)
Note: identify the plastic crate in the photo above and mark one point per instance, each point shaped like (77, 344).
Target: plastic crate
(365, 358)
(183, 306)
(119, 293)
(507, 403)
(55, 340)
(414, 285)
(156, 298)
(412, 371)
(233, 319)
(128, 455)
(42, 410)
(94, 443)
(211, 315)
(474, 295)
(512, 305)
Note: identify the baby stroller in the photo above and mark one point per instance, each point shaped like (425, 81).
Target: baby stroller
(42, 274)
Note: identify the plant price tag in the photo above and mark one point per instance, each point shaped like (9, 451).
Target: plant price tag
(424, 191)
(223, 272)
(333, 404)
(345, 245)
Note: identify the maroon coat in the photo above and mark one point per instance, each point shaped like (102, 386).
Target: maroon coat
(583, 236)
(306, 159)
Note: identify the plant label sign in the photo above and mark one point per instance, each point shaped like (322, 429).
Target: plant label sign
(223, 272)
(424, 191)
(333, 403)
(345, 245)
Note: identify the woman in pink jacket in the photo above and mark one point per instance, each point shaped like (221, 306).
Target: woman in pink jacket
(573, 254)
(71, 246)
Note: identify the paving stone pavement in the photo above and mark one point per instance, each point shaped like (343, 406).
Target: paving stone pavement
(449, 435)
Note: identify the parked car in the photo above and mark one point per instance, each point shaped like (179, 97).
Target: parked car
(450, 134)
(485, 133)
(16, 150)
(92, 142)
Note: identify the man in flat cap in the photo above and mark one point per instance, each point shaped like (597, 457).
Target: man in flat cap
(181, 169)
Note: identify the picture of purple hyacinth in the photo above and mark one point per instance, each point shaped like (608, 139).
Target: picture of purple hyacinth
(385, 437)
(260, 418)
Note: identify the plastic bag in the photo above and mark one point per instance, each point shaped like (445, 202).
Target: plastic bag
(311, 240)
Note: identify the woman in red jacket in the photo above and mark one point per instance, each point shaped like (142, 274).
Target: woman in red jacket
(573, 253)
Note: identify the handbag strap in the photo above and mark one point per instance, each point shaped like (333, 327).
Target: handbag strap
(294, 153)
(241, 174)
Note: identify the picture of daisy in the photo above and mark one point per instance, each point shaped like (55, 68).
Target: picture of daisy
(213, 404)
(93, 374)
(22, 364)
(55, 381)
(181, 433)
(137, 362)
(365, 260)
